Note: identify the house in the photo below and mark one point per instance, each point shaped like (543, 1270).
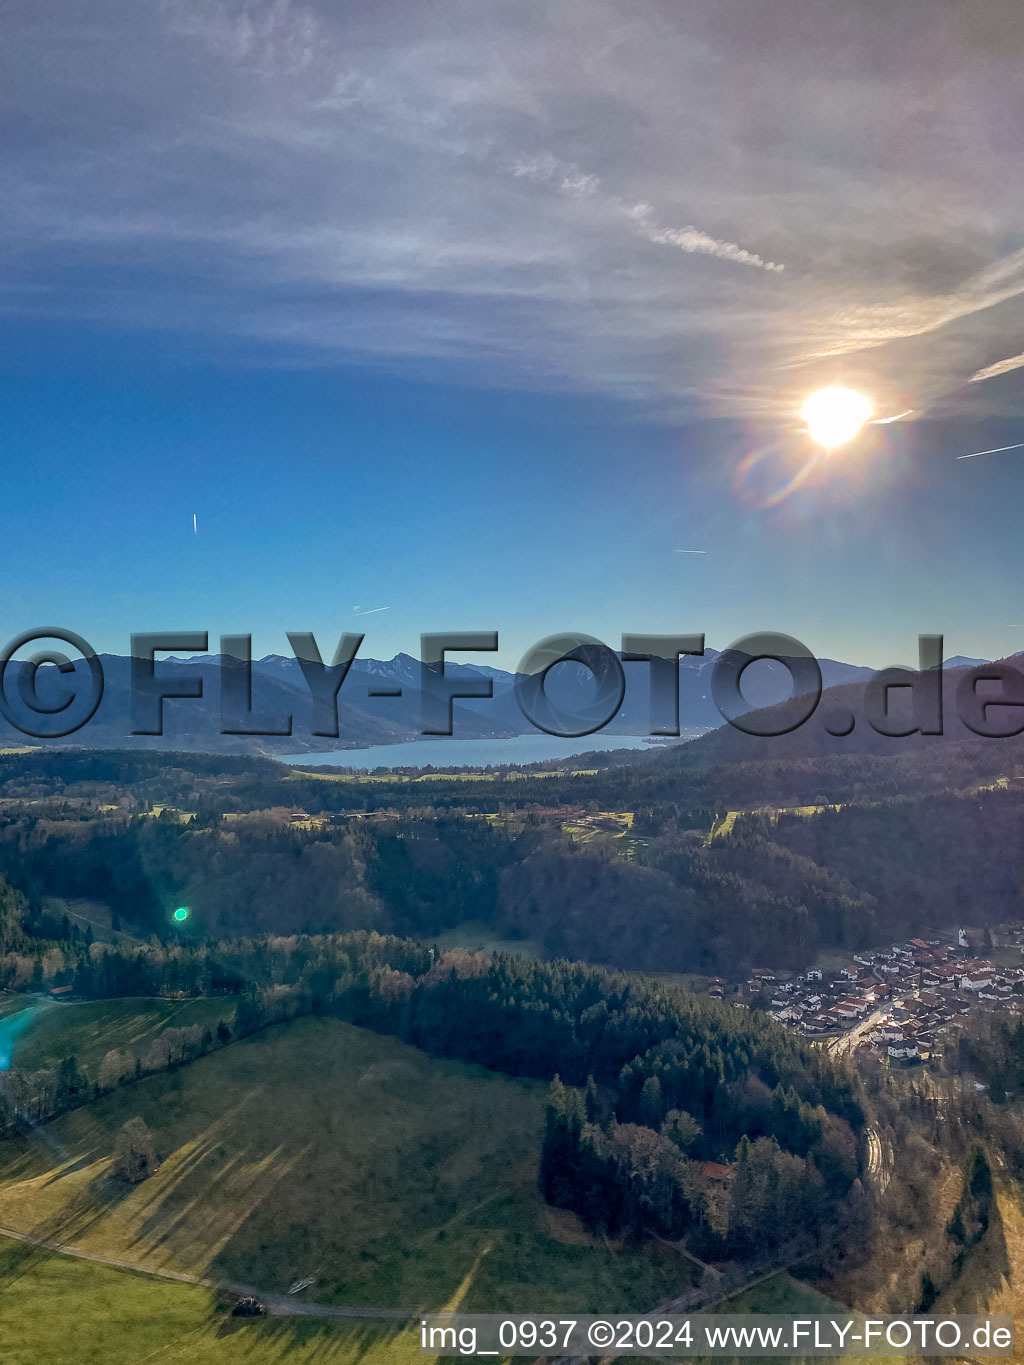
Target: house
(714, 1170)
(849, 972)
(901, 1051)
(61, 993)
(814, 974)
(978, 980)
(849, 1009)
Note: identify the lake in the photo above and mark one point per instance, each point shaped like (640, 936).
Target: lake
(467, 753)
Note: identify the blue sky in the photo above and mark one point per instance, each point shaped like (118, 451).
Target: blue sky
(484, 316)
(317, 491)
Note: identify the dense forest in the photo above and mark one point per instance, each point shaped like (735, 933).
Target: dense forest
(419, 858)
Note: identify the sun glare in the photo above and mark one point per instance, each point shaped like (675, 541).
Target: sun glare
(835, 415)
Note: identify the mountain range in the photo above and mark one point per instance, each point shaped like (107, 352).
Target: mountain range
(279, 691)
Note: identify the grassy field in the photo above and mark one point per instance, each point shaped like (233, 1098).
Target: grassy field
(183, 817)
(89, 1030)
(480, 936)
(320, 1149)
(461, 775)
(66, 1312)
(613, 826)
(781, 1294)
(11, 1003)
(722, 825)
(125, 1319)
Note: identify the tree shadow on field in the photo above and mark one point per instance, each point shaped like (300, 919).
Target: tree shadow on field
(318, 1338)
(65, 1227)
(986, 1270)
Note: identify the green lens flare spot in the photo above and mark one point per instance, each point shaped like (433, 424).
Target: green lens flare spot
(181, 914)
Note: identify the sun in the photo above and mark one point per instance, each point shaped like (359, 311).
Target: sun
(835, 415)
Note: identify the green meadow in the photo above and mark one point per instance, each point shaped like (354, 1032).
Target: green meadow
(114, 1317)
(88, 1030)
(316, 1148)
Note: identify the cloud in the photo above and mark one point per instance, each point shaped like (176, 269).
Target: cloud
(547, 196)
(570, 180)
(1001, 367)
(693, 240)
(567, 177)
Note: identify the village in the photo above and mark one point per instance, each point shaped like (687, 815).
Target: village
(901, 1000)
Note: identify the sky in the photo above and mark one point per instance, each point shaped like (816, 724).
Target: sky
(478, 316)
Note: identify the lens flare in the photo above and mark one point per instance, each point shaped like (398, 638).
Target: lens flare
(835, 415)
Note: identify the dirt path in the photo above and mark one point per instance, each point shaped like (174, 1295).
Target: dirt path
(278, 1305)
(880, 1161)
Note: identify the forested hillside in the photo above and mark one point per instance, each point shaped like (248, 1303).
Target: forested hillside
(775, 885)
(667, 1072)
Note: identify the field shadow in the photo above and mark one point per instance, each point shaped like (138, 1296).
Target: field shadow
(318, 1338)
(984, 1271)
(64, 1228)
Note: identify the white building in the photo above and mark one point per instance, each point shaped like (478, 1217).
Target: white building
(903, 1050)
(978, 981)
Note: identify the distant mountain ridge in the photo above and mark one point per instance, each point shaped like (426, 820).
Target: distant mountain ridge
(279, 690)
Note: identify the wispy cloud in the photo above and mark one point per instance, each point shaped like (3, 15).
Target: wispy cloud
(570, 180)
(1001, 367)
(564, 175)
(691, 239)
(546, 195)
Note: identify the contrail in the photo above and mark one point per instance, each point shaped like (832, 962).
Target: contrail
(997, 450)
(884, 421)
(372, 611)
(691, 552)
(195, 526)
